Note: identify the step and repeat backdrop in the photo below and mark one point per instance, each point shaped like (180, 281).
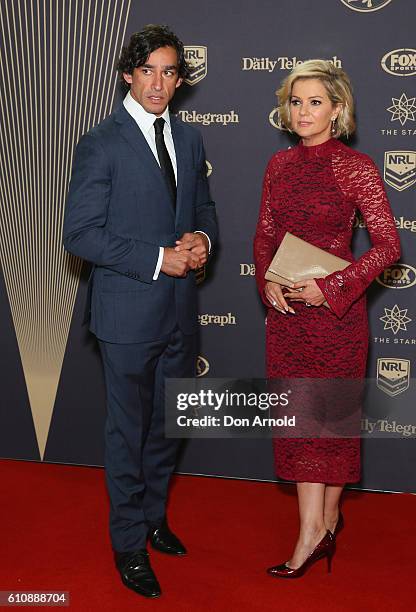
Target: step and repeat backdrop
(58, 79)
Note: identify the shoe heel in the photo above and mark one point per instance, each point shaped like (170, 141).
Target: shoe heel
(325, 548)
(329, 560)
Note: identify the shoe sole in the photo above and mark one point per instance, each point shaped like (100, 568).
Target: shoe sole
(167, 552)
(147, 595)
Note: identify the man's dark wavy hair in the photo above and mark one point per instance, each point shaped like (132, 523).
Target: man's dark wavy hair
(143, 43)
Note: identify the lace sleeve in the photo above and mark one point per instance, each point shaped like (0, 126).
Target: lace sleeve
(364, 185)
(265, 243)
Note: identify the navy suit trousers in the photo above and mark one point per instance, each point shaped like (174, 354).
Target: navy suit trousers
(139, 460)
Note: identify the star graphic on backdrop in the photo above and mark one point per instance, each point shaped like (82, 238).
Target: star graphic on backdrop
(395, 319)
(403, 109)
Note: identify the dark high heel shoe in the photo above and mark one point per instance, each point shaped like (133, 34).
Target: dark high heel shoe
(325, 548)
(339, 525)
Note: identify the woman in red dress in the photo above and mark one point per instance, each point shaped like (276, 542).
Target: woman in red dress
(314, 190)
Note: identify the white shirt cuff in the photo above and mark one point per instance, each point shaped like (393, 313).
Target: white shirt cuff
(207, 237)
(159, 263)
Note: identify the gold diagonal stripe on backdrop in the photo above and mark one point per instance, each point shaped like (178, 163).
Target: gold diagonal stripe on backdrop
(57, 81)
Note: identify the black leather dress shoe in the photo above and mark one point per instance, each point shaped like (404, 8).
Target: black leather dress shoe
(136, 573)
(162, 539)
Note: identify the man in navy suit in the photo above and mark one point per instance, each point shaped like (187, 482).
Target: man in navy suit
(139, 209)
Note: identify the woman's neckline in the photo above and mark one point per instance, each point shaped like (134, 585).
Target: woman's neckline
(318, 149)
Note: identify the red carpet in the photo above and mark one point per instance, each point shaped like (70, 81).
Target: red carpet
(54, 537)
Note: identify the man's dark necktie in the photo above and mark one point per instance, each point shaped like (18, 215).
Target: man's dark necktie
(164, 159)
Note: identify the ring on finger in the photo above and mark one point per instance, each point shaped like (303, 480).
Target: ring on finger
(274, 303)
(308, 304)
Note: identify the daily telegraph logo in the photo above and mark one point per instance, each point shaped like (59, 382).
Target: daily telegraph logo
(202, 366)
(402, 109)
(395, 319)
(401, 223)
(393, 375)
(268, 64)
(209, 118)
(400, 169)
(220, 320)
(400, 62)
(366, 6)
(398, 276)
(247, 269)
(196, 58)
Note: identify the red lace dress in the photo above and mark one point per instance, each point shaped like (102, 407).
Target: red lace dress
(314, 193)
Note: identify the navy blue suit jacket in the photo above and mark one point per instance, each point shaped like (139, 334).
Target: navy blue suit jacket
(119, 212)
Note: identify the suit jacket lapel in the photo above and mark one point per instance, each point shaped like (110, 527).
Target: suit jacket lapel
(133, 135)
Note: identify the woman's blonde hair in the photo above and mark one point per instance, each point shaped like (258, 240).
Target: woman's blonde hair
(337, 85)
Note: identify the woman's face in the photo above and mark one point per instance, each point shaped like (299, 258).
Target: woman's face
(311, 111)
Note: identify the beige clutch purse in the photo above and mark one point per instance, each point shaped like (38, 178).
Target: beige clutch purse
(297, 260)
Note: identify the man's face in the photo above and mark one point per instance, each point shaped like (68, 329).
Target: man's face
(153, 85)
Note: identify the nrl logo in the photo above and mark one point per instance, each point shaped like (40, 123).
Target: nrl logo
(400, 169)
(393, 375)
(365, 6)
(196, 58)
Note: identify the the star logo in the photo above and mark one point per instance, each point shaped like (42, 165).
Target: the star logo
(403, 109)
(395, 319)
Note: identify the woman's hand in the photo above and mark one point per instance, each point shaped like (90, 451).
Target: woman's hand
(274, 294)
(306, 291)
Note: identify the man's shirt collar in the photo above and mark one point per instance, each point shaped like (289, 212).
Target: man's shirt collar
(143, 119)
